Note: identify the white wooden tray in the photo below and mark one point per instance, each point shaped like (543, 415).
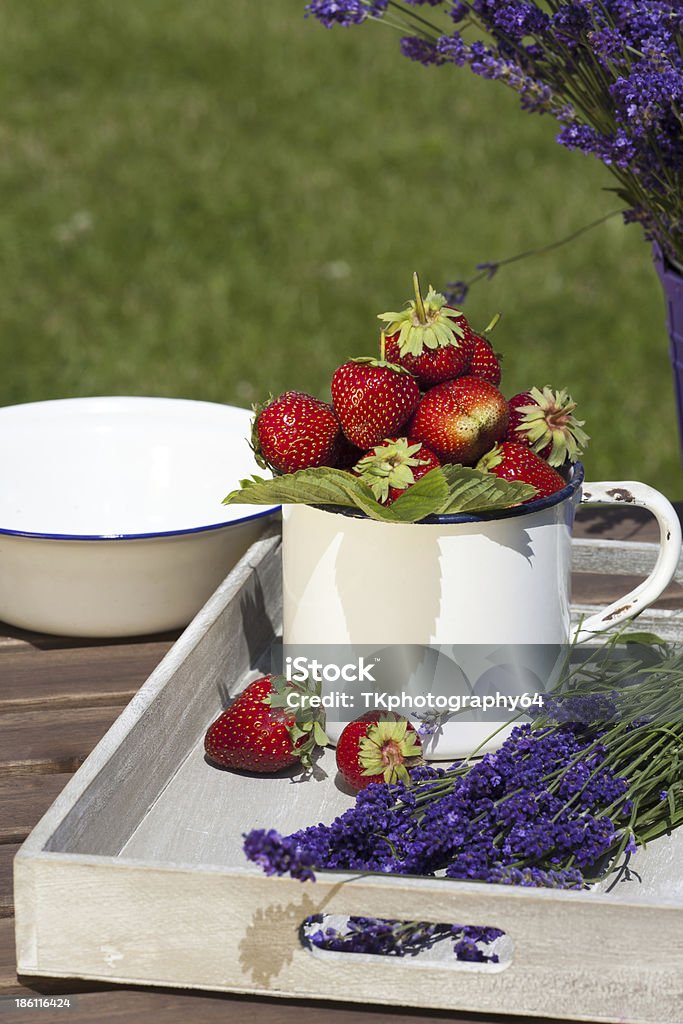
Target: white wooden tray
(136, 873)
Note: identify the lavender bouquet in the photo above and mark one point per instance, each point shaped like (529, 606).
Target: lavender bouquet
(563, 803)
(609, 71)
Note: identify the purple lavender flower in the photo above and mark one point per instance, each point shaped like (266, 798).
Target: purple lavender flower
(480, 822)
(421, 50)
(345, 12)
(515, 19)
(459, 11)
(646, 96)
(607, 44)
(278, 855)
(631, 846)
(617, 149)
(456, 292)
(569, 878)
(452, 48)
(571, 24)
(583, 708)
(379, 936)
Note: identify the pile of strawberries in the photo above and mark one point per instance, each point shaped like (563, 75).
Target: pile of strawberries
(431, 398)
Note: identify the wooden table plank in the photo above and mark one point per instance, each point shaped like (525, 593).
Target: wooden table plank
(124, 1005)
(83, 676)
(51, 741)
(7, 852)
(24, 800)
(600, 590)
(8, 957)
(621, 522)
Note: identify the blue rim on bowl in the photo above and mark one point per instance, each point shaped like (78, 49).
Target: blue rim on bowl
(87, 414)
(268, 511)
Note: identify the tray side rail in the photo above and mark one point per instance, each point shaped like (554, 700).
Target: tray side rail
(236, 931)
(97, 811)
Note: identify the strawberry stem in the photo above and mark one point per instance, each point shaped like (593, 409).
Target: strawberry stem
(382, 346)
(487, 330)
(419, 303)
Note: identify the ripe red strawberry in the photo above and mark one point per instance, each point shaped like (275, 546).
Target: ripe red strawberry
(377, 748)
(430, 339)
(393, 466)
(460, 419)
(346, 454)
(485, 363)
(258, 732)
(373, 399)
(510, 460)
(545, 422)
(294, 431)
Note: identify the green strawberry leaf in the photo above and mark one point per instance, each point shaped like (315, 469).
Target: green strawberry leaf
(471, 490)
(444, 490)
(318, 486)
(423, 499)
(324, 486)
(320, 735)
(647, 639)
(309, 722)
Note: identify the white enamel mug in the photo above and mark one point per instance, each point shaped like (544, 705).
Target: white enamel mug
(460, 581)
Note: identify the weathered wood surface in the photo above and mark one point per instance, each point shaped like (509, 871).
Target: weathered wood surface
(24, 798)
(8, 965)
(20, 809)
(51, 741)
(126, 1006)
(7, 854)
(623, 523)
(76, 677)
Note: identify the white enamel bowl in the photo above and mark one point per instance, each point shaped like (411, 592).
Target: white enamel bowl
(111, 514)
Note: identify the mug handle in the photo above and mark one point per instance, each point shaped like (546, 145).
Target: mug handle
(634, 493)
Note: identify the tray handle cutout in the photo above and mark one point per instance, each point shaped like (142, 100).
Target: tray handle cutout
(452, 946)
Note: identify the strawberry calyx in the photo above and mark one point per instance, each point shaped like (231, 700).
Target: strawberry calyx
(426, 323)
(390, 464)
(548, 419)
(254, 440)
(381, 363)
(491, 459)
(387, 747)
(304, 723)
(491, 326)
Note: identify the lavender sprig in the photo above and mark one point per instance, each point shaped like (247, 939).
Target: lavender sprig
(564, 802)
(557, 805)
(609, 71)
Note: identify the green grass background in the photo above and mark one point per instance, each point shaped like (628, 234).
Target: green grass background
(214, 200)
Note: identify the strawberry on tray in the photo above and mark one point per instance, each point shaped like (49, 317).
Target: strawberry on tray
(422, 430)
(260, 732)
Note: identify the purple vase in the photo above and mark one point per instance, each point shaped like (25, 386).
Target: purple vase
(672, 283)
